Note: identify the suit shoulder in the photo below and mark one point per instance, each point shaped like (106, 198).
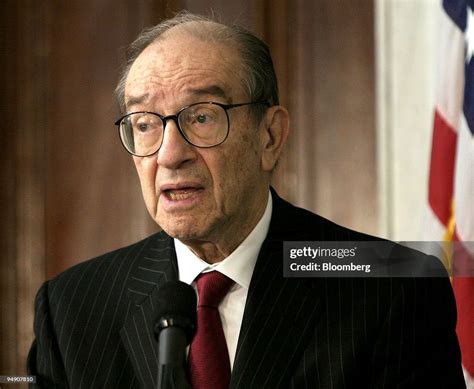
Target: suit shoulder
(311, 226)
(106, 271)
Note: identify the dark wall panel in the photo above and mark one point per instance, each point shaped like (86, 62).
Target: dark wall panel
(69, 191)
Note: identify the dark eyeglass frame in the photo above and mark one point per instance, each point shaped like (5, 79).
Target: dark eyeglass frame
(175, 118)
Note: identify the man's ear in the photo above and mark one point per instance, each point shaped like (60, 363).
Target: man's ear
(274, 133)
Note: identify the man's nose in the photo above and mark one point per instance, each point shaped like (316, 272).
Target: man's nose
(175, 150)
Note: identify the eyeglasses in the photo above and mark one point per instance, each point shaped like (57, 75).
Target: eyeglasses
(201, 124)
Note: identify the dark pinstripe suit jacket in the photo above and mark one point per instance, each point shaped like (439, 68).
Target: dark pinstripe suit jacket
(94, 322)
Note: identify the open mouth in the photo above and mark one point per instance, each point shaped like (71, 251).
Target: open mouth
(181, 193)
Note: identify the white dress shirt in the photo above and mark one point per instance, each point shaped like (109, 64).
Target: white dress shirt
(238, 266)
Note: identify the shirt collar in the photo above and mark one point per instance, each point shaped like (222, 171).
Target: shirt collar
(238, 266)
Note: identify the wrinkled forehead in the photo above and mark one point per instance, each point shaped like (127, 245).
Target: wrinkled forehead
(182, 63)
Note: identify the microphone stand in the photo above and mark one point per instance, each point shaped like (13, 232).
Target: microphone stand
(174, 329)
(171, 368)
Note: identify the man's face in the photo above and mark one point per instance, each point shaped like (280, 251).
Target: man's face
(214, 195)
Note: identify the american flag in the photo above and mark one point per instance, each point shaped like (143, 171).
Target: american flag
(451, 182)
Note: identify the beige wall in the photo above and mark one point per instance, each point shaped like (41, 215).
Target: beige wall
(69, 191)
(407, 46)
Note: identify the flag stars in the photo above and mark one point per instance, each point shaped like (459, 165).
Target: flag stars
(469, 35)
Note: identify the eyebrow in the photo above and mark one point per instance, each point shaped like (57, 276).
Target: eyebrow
(211, 90)
(135, 100)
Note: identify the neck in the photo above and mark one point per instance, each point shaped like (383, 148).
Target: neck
(215, 250)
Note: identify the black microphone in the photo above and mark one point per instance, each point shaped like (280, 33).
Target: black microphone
(174, 329)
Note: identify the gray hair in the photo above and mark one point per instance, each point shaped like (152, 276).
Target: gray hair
(258, 74)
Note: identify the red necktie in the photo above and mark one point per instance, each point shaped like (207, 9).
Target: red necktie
(208, 360)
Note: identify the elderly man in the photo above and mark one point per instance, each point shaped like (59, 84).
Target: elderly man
(204, 125)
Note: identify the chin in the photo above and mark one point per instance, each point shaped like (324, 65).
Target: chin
(181, 230)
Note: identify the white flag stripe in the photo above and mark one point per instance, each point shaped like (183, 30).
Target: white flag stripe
(433, 229)
(469, 380)
(450, 92)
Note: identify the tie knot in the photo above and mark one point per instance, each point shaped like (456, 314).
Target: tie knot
(212, 287)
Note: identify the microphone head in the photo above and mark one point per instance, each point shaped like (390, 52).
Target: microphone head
(177, 303)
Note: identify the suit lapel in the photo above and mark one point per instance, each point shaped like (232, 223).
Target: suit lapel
(156, 265)
(279, 318)
(280, 314)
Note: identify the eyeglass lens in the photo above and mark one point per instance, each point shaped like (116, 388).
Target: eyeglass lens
(202, 125)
